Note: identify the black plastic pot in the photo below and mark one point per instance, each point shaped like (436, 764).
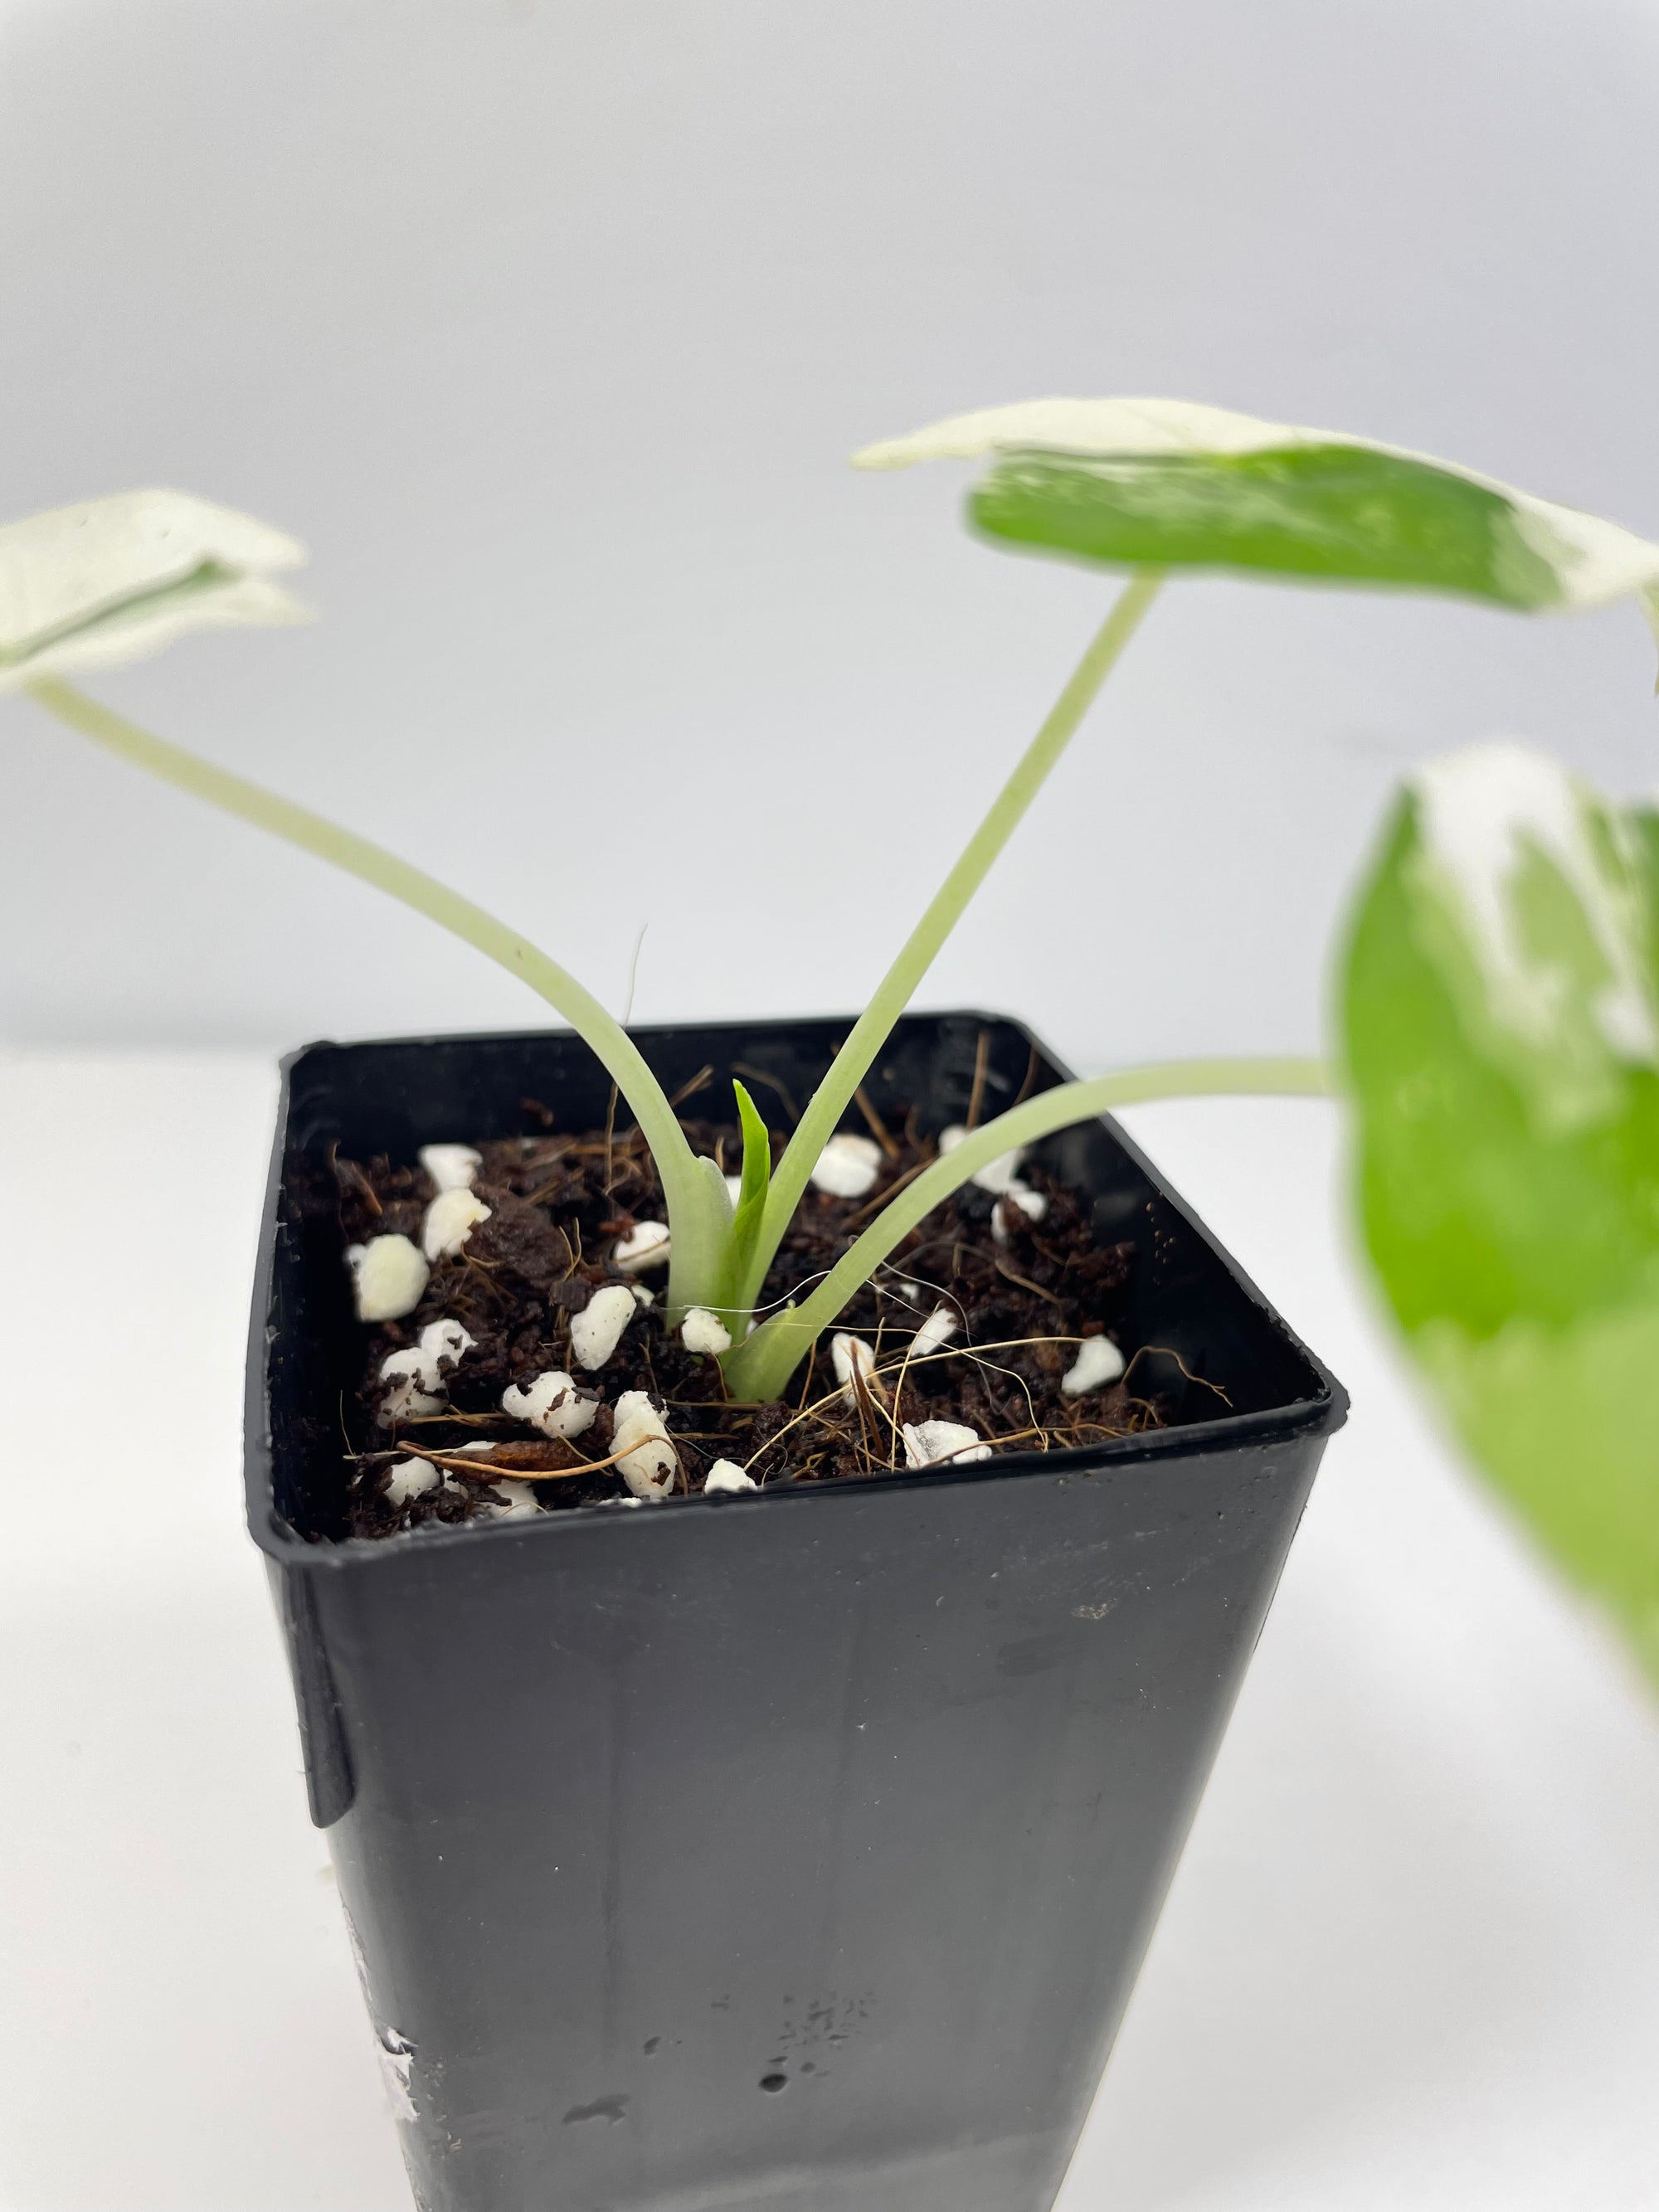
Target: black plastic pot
(793, 1852)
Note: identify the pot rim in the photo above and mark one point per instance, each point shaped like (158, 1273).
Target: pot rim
(1319, 1414)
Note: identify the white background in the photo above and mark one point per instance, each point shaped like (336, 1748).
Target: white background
(548, 328)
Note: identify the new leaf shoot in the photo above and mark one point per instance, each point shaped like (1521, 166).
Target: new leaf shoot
(761, 1368)
(749, 1212)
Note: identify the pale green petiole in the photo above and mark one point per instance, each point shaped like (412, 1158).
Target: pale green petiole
(699, 1211)
(716, 1260)
(852, 1063)
(759, 1369)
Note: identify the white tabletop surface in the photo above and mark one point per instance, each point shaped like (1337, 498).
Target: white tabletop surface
(1410, 1957)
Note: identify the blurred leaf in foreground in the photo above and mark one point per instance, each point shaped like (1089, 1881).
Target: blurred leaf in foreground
(1500, 1006)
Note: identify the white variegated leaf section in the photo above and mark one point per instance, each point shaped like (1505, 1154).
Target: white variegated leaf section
(1594, 561)
(1482, 815)
(113, 579)
(1096, 427)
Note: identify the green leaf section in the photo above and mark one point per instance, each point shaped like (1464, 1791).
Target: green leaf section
(750, 1209)
(1499, 970)
(1566, 1421)
(1336, 513)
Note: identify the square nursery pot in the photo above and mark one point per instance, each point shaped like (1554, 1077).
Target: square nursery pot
(793, 1852)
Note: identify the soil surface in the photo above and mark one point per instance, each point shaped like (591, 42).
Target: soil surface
(1024, 1293)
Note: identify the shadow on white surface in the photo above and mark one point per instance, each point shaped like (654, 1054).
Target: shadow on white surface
(1412, 1957)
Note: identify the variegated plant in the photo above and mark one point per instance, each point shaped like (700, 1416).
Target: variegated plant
(1498, 996)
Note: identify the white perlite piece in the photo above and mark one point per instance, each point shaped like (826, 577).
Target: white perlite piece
(727, 1475)
(444, 1344)
(418, 1375)
(597, 1330)
(405, 1400)
(642, 1296)
(551, 1404)
(1031, 1203)
(388, 1276)
(851, 1355)
(703, 1331)
(410, 1477)
(941, 1325)
(1099, 1362)
(941, 1443)
(646, 1460)
(397, 2056)
(452, 1167)
(518, 1499)
(646, 1245)
(1000, 1176)
(450, 1220)
(847, 1166)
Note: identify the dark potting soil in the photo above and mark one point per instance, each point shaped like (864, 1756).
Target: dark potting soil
(1022, 1300)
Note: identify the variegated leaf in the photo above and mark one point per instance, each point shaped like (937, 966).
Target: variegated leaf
(1501, 1016)
(113, 579)
(1167, 483)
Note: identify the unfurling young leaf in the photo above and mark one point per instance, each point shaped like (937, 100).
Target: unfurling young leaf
(751, 1208)
(1165, 483)
(1501, 1019)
